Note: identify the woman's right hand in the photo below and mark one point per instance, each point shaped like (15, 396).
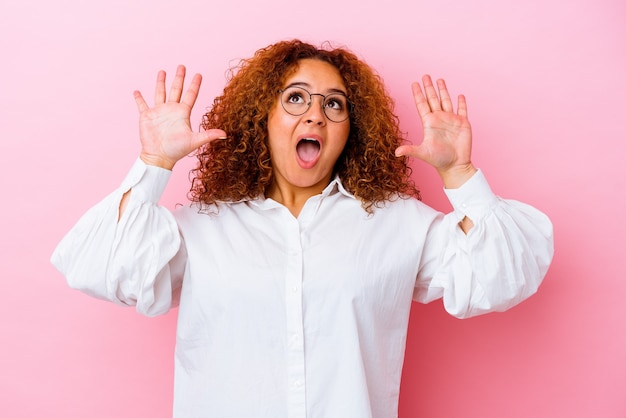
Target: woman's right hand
(165, 130)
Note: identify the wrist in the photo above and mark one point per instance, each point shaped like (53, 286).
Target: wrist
(157, 161)
(455, 177)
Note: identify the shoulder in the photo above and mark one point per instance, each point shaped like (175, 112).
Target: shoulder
(192, 214)
(402, 215)
(404, 204)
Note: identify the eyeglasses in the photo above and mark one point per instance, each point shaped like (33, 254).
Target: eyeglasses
(296, 101)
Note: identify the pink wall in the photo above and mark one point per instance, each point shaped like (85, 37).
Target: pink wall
(545, 81)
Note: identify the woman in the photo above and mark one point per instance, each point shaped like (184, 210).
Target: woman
(305, 243)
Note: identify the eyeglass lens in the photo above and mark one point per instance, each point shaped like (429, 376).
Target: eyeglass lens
(296, 101)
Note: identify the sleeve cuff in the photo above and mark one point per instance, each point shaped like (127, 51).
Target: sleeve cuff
(473, 199)
(147, 181)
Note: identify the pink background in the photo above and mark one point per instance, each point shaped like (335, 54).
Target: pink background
(546, 85)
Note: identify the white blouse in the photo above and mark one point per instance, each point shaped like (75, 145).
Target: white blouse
(307, 317)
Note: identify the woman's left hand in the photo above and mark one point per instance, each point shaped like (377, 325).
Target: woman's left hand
(447, 141)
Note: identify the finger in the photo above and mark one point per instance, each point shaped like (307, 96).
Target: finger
(415, 151)
(431, 93)
(176, 91)
(159, 93)
(462, 106)
(204, 137)
(139, 100)
(216, 134)
(423, 108)
(192, 91)
(446, 102)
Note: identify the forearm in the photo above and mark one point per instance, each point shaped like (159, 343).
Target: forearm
(499, 264)
(455, 178)
(126, 249)
(123, 204)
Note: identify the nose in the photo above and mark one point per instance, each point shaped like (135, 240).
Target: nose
(315, 113)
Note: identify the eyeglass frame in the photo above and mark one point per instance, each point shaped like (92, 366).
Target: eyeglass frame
(349, 103)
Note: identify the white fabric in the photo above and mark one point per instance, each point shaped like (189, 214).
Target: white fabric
(284, 317)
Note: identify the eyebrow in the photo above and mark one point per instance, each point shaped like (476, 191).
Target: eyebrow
(308, 86)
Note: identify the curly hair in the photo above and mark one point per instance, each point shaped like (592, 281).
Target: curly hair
(239, 167)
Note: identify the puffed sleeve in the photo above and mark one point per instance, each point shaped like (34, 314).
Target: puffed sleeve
(498, 264)
(138, 261)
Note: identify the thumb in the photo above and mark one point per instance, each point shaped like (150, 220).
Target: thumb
(204, 137)
(415, 151)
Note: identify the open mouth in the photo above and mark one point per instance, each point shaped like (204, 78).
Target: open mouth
(308, 149)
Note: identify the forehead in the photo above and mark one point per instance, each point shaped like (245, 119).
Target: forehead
(316, 74)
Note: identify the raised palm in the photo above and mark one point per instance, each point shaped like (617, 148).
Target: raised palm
(447, 139)
(164, 129)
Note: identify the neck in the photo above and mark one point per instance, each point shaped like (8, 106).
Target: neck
(293, 197)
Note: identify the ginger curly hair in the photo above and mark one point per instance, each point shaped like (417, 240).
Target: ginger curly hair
(239, 167)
